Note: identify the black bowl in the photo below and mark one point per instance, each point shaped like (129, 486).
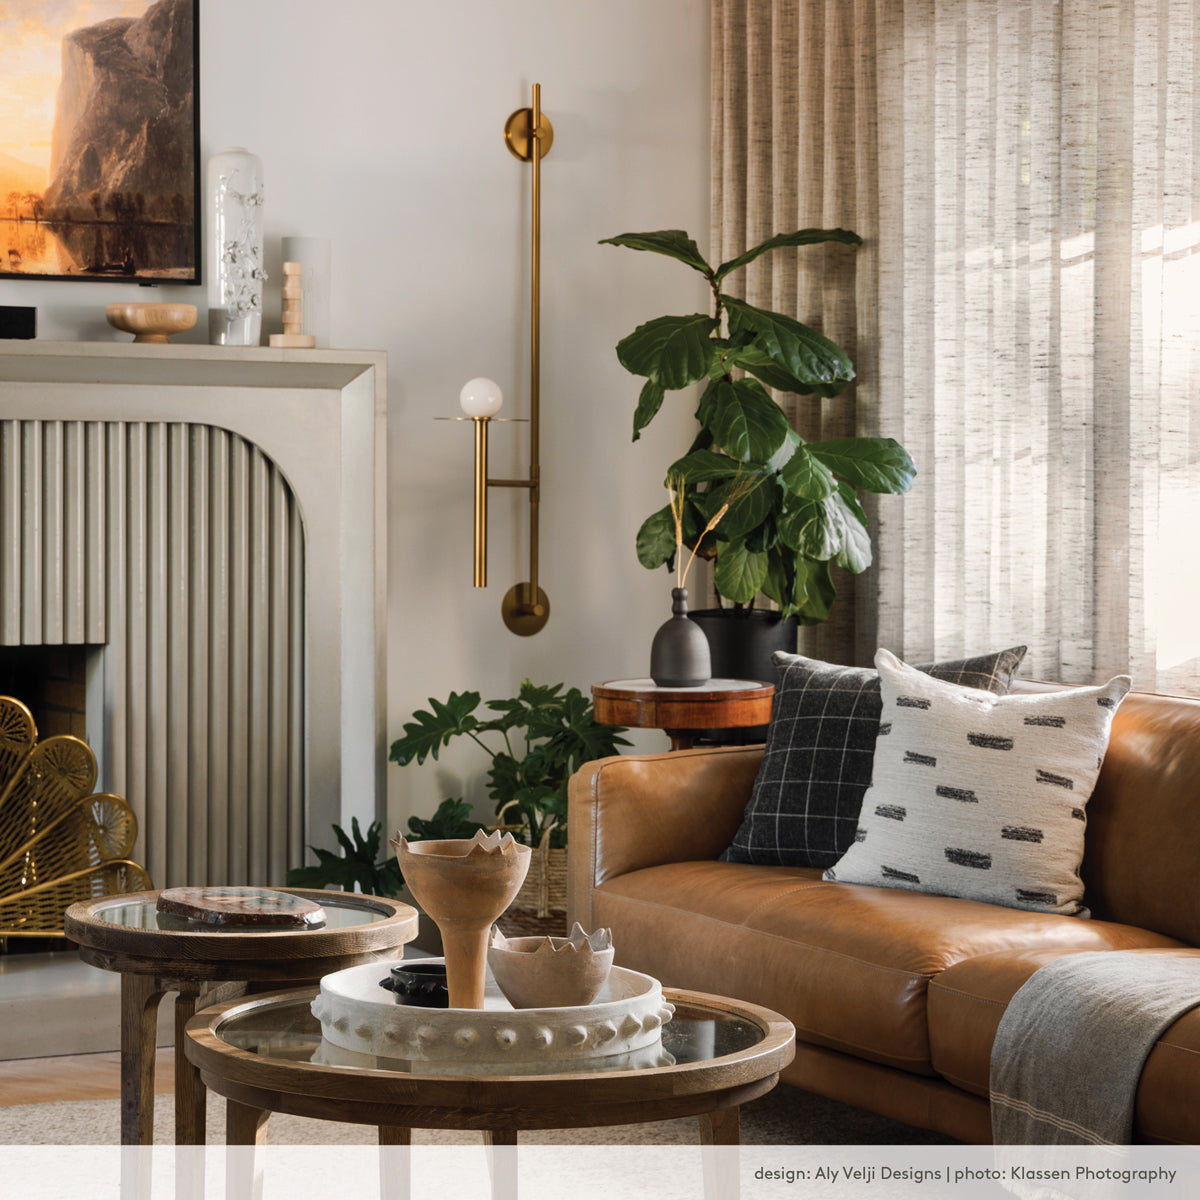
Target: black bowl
(422, 984)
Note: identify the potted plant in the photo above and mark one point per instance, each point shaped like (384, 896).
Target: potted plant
(536, 741)
(802, 512)
(358, 868)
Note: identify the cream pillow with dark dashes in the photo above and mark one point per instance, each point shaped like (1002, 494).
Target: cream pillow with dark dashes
(980, 796)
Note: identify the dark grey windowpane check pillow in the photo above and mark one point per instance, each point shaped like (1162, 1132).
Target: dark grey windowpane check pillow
(803, 811)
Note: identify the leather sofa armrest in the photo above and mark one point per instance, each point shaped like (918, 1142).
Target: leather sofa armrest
(633, 811)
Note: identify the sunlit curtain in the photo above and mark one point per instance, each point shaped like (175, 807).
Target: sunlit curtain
(1027, 175)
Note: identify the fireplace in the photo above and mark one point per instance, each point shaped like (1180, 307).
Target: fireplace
(51, 681)
(196, 535)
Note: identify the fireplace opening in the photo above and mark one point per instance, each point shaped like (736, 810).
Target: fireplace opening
(51, 681)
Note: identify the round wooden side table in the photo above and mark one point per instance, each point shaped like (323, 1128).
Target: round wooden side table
(683, 712)
(204, 965)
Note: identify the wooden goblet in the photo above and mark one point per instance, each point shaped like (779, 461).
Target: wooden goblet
(464, 885)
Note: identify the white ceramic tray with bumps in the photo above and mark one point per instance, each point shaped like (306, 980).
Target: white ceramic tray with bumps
(357, 1014)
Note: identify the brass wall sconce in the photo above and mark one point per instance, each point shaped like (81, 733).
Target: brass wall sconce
(525, 607)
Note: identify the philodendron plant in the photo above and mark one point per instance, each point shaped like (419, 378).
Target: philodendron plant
(794, 506)
(536, 741)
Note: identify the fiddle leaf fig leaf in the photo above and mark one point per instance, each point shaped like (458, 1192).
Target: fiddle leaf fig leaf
(671, 351)
(754, 359)
(850, 533)
(674, 243)
(808, 356)
(702, 466)
(705, 410)
(851, 501)
(745, 513)
(649, 402)
(778, 584)
(814, 592)
(783, 455)
(656, 539)
(808, 530)
(802, 237)
(872, 464)
(740, 572)
(746, 422)
(806, 476)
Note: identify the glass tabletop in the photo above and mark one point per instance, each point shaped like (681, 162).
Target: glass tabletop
(287, 1031)
(342, 910)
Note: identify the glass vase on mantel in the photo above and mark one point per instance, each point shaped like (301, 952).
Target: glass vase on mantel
(679, 654)
(233, 199)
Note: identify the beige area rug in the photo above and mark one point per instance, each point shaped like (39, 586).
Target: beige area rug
(786, 1116)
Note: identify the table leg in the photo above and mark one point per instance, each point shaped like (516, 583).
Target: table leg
(681, 739)
(136, 1164)
(500, 1145)
(720, 1136)
(395, 1162)
(189, 1172)
(245, 1132)
(189, 1090)
(140, 995)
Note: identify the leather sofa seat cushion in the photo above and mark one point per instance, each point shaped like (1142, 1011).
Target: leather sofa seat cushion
(848, 964)
(967, 1001)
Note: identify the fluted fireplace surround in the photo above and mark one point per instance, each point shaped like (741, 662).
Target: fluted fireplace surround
(210, 524)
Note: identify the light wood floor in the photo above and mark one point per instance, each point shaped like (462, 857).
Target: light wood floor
(74, 1077)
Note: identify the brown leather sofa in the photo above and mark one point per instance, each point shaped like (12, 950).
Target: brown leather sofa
(895, 995)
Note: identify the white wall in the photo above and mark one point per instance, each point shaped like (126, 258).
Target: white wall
(379, 123)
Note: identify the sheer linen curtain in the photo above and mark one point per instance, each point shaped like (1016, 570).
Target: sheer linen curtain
(1027, 304)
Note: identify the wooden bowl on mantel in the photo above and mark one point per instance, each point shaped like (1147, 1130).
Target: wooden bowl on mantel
(151, 322)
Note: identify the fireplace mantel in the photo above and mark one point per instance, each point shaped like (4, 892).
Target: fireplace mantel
(320, 417)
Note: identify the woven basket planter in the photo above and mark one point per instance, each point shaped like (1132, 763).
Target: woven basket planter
(541, 905)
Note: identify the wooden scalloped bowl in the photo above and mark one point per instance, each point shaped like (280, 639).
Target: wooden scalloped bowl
(151, 322)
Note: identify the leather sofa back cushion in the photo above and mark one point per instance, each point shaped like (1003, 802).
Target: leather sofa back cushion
(1142, 850)
(981, 796)
(803, 811)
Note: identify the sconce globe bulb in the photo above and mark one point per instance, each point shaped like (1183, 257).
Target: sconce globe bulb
(481, 397)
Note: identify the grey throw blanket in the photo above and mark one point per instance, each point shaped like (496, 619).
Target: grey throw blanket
(1072, 1043)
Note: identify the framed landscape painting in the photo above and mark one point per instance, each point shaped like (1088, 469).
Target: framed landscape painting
(100, 140)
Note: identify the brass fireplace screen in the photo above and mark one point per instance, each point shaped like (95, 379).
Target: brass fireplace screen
(59, 842)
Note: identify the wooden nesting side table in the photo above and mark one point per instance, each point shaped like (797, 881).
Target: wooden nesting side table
(683, 712)
(266, 1054)
(205, 966)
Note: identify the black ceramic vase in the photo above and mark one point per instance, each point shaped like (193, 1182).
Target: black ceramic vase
(679, 654)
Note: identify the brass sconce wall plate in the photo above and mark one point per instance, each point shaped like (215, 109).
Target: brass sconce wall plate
(517, 130)
(521, 617)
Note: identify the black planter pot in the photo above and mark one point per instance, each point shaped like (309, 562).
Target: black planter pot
(741, 642)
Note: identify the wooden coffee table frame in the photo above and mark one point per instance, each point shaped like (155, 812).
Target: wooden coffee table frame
(397, 1102)
(207, 966)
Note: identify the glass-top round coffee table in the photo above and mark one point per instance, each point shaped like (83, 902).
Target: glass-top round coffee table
(266, 1054)
(156, 953)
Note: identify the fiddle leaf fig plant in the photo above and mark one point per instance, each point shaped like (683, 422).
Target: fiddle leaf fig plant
(793, 506)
